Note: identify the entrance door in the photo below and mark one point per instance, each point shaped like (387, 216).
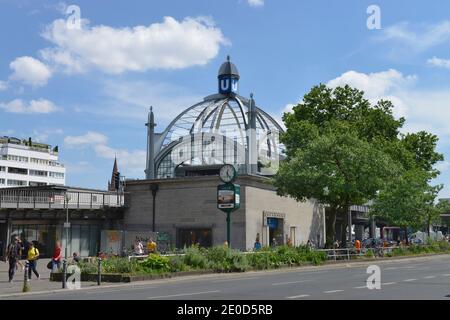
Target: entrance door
(275, 231)
(188, 237)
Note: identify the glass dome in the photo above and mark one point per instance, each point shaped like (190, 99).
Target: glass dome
(224, 128)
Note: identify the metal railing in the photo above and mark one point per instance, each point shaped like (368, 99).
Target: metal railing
(38, 199)
(349, 253)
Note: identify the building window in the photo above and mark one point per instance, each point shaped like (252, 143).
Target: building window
(17, 170)
(39, 173)
(37, 184)
(39, 161)
(2, 181)
(2, 169)
(16, 183)
(11, 157)
(56, 175)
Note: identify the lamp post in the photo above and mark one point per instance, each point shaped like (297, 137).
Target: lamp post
(154, 187)
(67, 223)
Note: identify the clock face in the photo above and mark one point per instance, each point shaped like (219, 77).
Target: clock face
(227, 173)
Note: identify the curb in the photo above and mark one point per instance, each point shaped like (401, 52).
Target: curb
(204, 273)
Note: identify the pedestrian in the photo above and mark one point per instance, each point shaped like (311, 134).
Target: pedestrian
(56, 258)
(76, 258)
(32, 257)
(13, 255)
(21, 248)
(151, 246)
(257, 244)
(138, 248)
(358, 245)
(309, 245)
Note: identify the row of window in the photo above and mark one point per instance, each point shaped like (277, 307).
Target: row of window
(20, 183)
(45, 162)
(38, 173)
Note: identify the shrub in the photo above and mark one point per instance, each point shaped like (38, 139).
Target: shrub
(194, 258)
(177, 264)
(224, 259)
(156, 262)
(120, 265)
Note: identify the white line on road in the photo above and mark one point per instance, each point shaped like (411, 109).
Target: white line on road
(290, 282)
(446, 275)
(361, 287)
(299, 296)
(409, 280)
(388, 283)
(183, 294)
(429, 277)
(235, 279)
(333, 291)
(119, 290)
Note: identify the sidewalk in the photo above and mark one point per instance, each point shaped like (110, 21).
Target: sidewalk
(43, 284)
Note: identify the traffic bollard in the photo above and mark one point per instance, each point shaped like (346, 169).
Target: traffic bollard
(64, 274)
(99, 275)
(26, 286)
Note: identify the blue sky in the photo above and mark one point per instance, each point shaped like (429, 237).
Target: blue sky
(88, 89)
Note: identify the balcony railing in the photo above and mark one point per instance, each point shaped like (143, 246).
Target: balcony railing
(37, 199)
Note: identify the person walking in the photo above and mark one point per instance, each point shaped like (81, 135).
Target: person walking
(257, 245)
(56, 258)
(13, 255)
(32, 257)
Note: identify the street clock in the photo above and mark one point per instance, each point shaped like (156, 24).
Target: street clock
(227, 173)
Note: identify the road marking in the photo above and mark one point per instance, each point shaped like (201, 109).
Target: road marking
(235, 279)
(184, 294)
(429, 277)
(361, 287)
(333, 291)
(446, 275)
(299, 296)
(388, 283)
(409, 280)
(290, 282)
(118, 290)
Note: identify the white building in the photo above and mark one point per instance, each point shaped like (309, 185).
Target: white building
(27, 163)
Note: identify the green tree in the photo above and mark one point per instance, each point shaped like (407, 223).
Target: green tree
(337, 168)
(342, 150)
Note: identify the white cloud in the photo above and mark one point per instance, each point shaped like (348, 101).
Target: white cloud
(3, 85)
(132, 161)
(170, 44)
(30, 71)
(420, 38)
(439, 62)
(42, 136)
(133, 99)
(255, 3)
(379, 85)
(34, 106)
(90, 138)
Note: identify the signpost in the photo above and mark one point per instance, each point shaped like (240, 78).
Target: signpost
(228, 195)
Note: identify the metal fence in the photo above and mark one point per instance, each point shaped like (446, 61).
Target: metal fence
(45, 199)
(353, 253)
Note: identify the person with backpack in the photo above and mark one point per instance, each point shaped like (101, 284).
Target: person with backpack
(32, 257)
(13, 255)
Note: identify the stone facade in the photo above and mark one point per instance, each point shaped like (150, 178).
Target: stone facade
(190, 202)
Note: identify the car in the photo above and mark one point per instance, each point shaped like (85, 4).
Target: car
(371, 243)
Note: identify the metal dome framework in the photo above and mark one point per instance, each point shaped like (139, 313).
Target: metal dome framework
(223, 128)
(214, 131)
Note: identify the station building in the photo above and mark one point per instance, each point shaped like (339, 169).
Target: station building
(179, 195)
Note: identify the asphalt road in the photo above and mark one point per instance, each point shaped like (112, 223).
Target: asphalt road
(412, 278)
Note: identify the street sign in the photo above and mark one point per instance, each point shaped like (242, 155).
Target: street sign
(228, 197)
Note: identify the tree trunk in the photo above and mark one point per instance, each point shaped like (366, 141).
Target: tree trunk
(344, 235)
(428, 225)
(330, 228)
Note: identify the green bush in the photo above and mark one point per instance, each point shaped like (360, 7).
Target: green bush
(225, 260)
(195, 258)
(177, 264)
(120, 265)
(156, 262)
